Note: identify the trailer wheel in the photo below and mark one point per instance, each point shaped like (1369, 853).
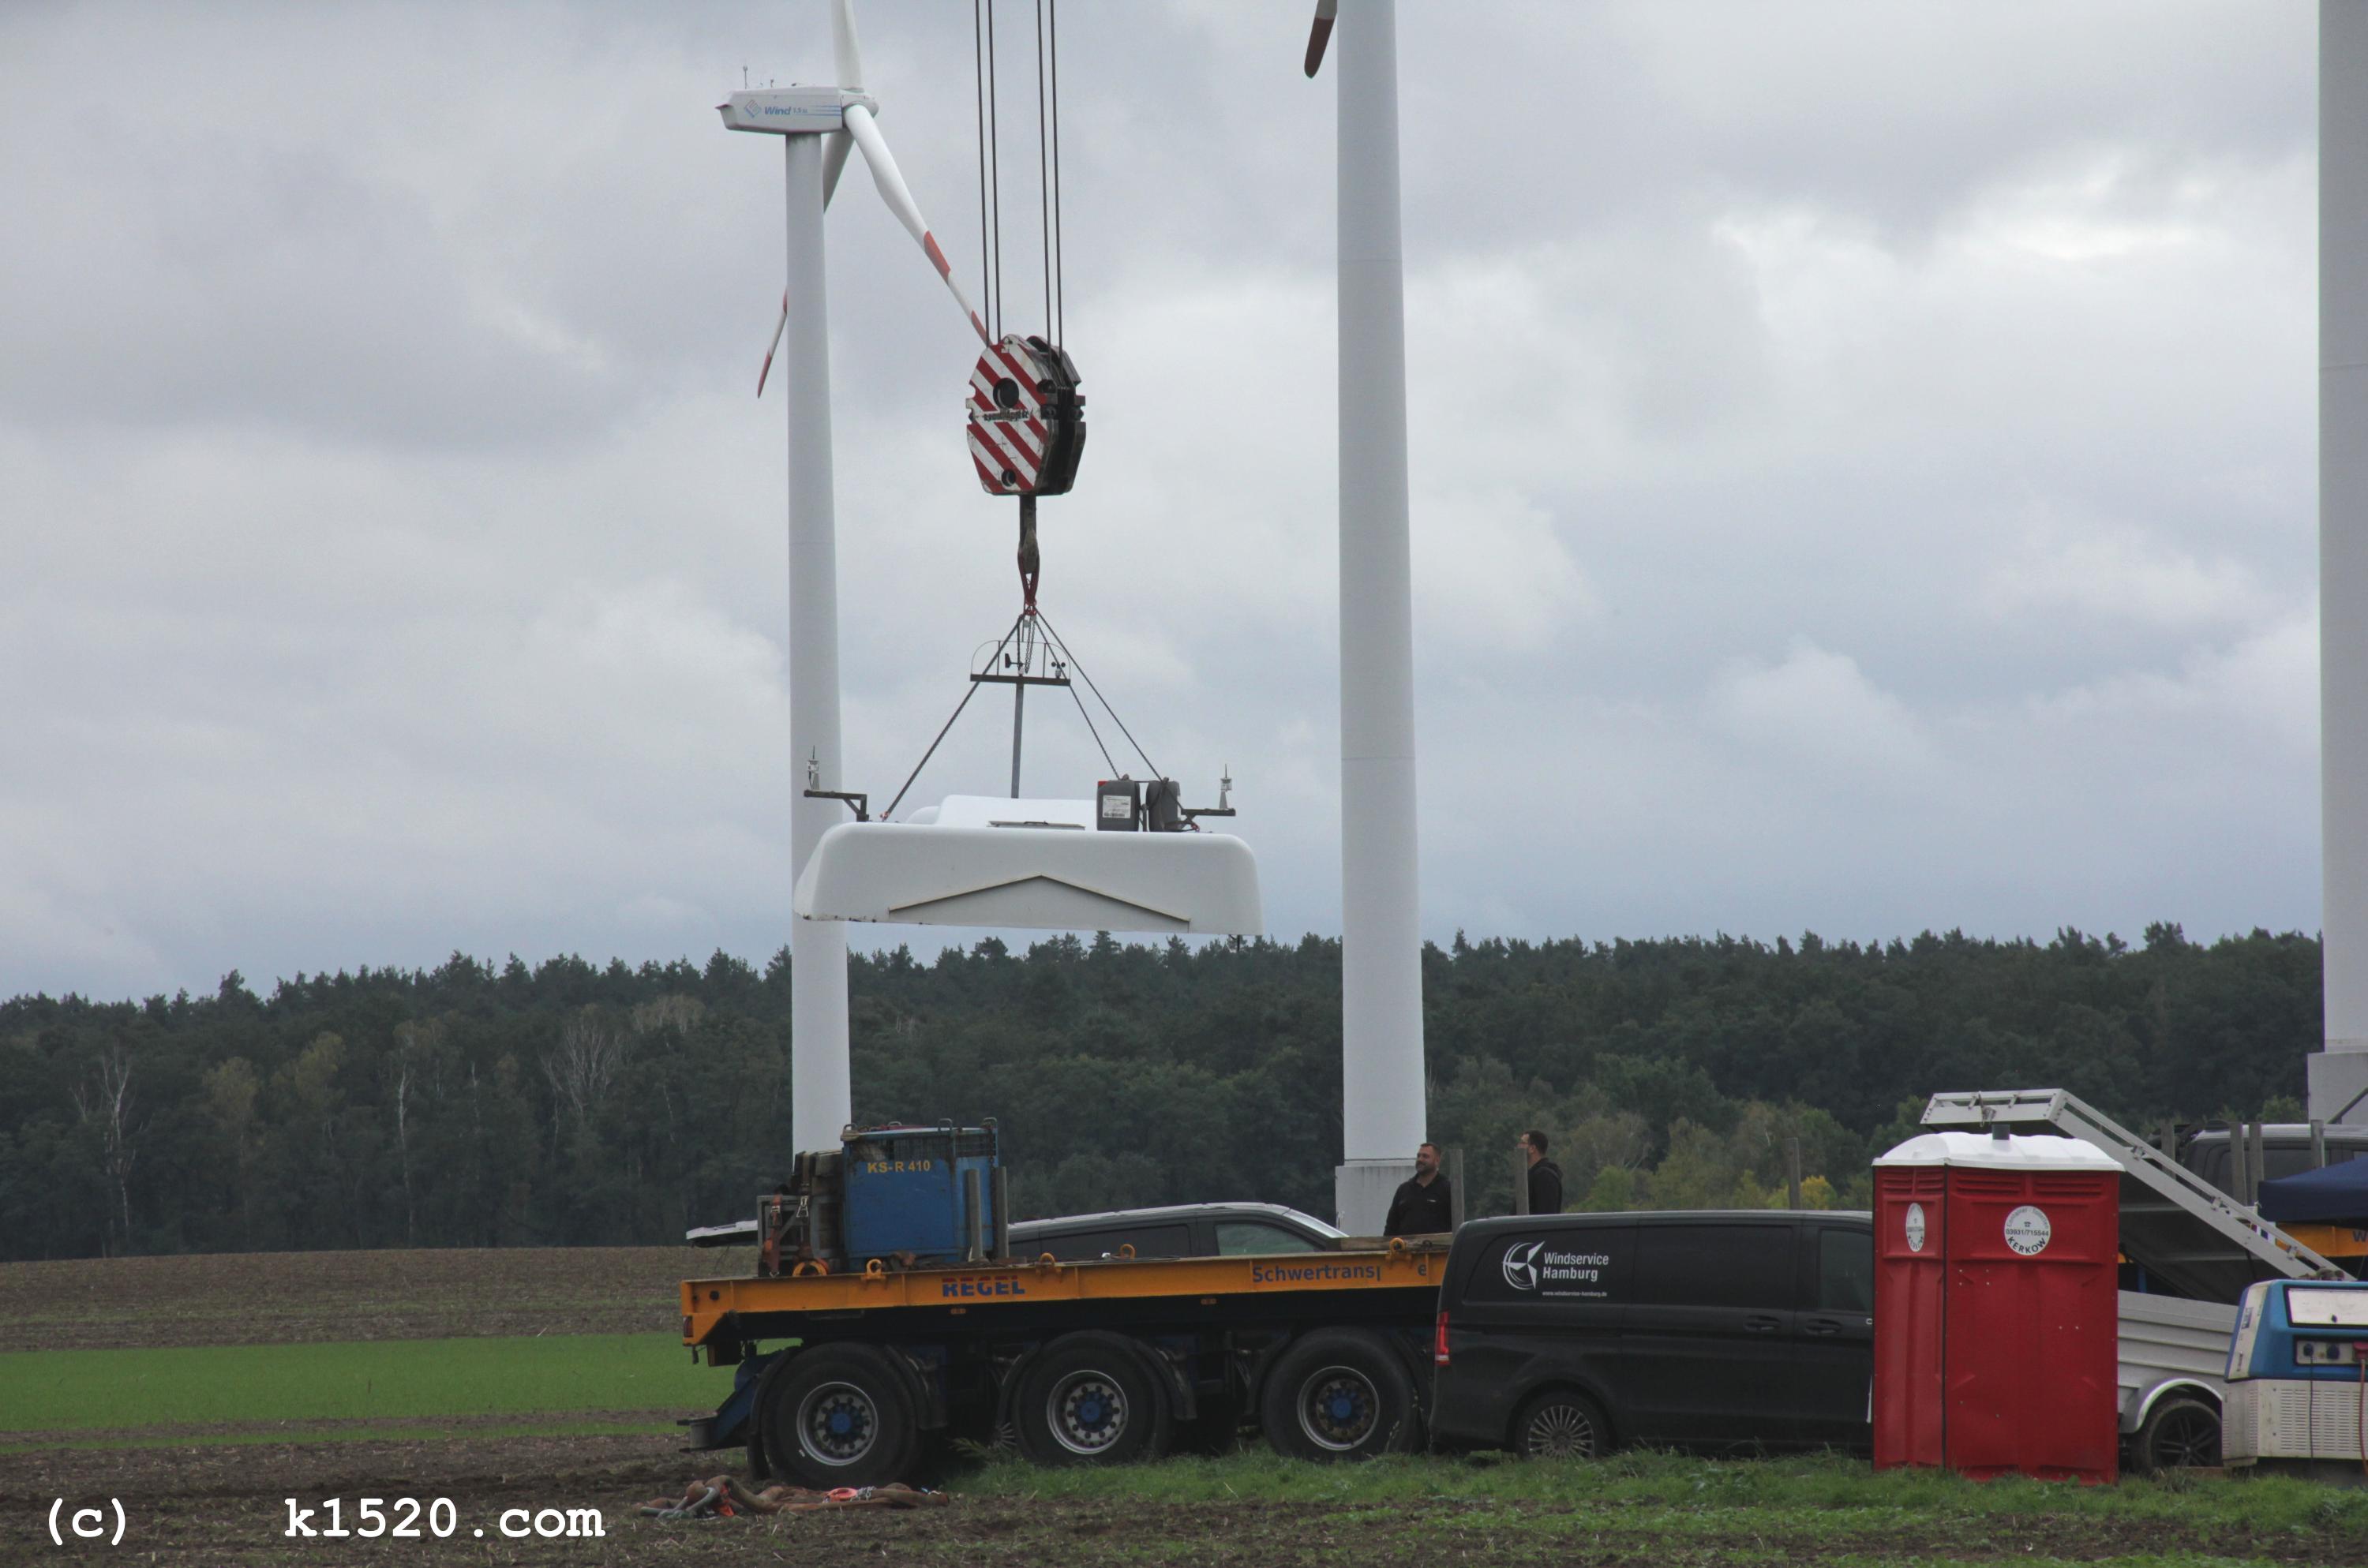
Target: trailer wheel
(1561, 1425)
(1339, 1393)
(839, 1417)
(1091, 1399)
(2177, 1433)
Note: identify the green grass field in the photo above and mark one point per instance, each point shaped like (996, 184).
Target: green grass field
(222, 1392)
(1683, 1494)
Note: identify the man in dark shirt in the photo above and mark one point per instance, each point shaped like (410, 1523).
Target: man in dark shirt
(1422, 1206)
(1545, 1176)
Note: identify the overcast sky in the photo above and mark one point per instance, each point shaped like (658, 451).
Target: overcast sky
(1863, 464)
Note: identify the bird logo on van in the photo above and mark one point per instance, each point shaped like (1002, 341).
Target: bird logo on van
(1521, 1265)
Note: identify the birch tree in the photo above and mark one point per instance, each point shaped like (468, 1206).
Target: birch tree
(580, 1069)
(104, 1100)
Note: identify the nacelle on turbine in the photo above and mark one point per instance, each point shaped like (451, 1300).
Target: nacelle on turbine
(793, 110)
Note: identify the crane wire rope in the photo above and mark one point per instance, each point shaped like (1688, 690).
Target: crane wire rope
(1108, 761)
(994, 195)
(1043, 176)
(1062, 643)
(988, 111)
(1060, 322)
(978, 87)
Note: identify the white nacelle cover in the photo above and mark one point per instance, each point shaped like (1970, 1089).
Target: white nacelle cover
(2022, 1152)
(1036, 865)
(791, 110)
(996, 811)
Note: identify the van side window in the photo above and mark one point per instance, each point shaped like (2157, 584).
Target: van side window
(1845, 1270)
(1237, 1238)
(1717, 1265)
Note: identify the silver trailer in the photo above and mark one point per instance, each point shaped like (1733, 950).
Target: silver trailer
(2173, 1355)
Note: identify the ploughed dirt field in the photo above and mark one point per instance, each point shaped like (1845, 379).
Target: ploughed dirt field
(209, 1506)
(527, 1485)
(279, 1297)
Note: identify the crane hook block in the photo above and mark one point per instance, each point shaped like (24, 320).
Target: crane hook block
(1027, 420)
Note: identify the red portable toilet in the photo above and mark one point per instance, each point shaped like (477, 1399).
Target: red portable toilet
(1997, 1306)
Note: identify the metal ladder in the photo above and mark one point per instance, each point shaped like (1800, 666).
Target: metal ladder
(2174, 1224)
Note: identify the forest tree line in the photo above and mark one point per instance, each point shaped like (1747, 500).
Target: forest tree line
(567, 1103)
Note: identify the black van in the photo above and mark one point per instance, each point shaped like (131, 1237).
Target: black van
(1564, 1334)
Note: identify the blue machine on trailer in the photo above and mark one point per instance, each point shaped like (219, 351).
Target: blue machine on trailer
(2298, 1377)
(919, 1195)
(901, 1196)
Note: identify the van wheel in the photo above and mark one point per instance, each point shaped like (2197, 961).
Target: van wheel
(839, 1417)
(1091, 1399)
(2176, 1433)
(1560, 1424)
(1337, 1394)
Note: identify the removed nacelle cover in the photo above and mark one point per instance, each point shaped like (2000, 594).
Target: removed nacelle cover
(1046, 870)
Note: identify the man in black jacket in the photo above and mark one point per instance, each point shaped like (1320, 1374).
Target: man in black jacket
(1545, 1176)
(1422, 1206)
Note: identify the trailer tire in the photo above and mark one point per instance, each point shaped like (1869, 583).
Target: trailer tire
(1091, 1398)
(2177, 1432)
(1339, 1393)
(760, 1465)
(838, 1415)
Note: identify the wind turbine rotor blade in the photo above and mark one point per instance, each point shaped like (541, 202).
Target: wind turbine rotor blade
(848, 57)
(844, 51)
(899, 201)
(1317, 37)
(773, 347)
(833, 161)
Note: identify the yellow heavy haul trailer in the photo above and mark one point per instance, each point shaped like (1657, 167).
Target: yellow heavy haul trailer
(1123, 1360)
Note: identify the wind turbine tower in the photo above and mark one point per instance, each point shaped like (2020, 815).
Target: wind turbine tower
(1382, 1103)
(2339, 1074)
(817, 126)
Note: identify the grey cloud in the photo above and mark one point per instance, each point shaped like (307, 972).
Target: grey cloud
(1864, 456)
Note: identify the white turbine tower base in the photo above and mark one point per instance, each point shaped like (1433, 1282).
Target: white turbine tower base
(1382, 1101)
(821, 1096)
(2339, 1074)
